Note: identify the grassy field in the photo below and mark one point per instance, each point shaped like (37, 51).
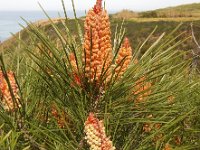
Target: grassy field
(178, 19)
(189, 10)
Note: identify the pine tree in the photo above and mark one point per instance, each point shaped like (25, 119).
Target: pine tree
(86, 93)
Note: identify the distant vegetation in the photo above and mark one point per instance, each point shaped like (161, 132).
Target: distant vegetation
(125, 14)
(189, 10)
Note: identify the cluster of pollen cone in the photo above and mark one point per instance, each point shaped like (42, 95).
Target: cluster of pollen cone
(8, 101)
(95, 134)
(98, 61)
(98, 54)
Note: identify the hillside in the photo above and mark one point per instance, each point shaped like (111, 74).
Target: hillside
(188, 10)
(137, 32)
(125, 14)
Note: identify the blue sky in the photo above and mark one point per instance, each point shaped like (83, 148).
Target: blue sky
(85, 4)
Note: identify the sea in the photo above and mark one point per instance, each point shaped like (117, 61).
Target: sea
(11, 21)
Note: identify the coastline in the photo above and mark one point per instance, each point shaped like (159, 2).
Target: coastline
(10, 21)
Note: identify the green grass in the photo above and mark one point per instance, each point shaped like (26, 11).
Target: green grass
(188, 10)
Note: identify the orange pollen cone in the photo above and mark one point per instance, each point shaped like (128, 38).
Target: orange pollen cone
(6, 99)
(97, 42)
(124, 57)
(95, 134)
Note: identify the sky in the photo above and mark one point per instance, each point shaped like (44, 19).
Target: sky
(135, 5)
